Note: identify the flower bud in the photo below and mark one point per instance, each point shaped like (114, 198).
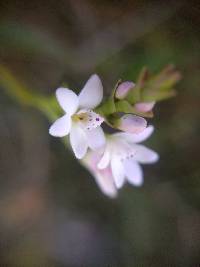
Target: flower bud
(131, 123)
(123, 89)
(144, 106)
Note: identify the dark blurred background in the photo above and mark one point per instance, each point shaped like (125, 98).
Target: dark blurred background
(51, 211)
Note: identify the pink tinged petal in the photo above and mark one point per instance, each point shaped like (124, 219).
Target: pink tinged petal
(78, 140)
(144, 106)
(92, 93)
(117, 171)
(133, 172)
(145, 155)
(104, 177)
(61, 126)
(105, 160)
(132, 123)
(67, 99)
(105, 182)
(123, 89)
(137, 138)
(95, 138)
(90, 160)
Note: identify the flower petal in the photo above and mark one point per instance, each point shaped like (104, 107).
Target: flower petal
(133, 172)
(137, 138)
(105, 160)
(145, 155)
(61, 126)
(132, 124)
(117, 171)
(106, 184)
(95, 138)
(78, 141)
(67, 99)
(103, 177)
(92, 93)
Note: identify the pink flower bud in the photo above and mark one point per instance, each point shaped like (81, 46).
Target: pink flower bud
(132, 123)
(123, 89)
(144, 106)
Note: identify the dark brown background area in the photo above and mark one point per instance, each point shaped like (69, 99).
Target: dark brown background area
(51, 211)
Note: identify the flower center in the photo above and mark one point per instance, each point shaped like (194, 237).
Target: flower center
(123, 150)
(88, 119)
(80, 117)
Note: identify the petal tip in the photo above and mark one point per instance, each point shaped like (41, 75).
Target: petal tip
(138, 183)
(156, 157)
(95, 75)
(52, 132)
(67, 99)
(92, 93)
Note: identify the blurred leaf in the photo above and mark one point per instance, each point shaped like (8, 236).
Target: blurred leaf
(17, 90)
(32, 40)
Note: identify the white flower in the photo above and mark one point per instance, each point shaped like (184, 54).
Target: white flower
(79, 120)
(123, 156)
(120, 159)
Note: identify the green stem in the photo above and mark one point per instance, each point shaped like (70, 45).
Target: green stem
(25, 96)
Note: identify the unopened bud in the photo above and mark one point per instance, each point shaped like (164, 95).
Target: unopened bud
(131, 123)
(144, 106)
(123, 89)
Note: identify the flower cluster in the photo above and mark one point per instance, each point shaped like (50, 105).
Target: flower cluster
(115, 158)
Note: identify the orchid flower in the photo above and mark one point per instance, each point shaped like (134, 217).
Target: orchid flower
(123, 156)
(80, 122)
